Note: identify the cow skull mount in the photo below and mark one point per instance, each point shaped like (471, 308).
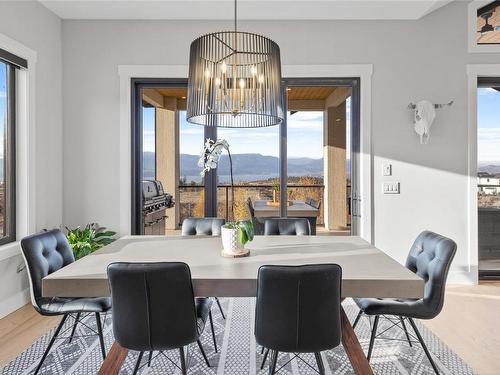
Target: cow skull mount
(424, 115)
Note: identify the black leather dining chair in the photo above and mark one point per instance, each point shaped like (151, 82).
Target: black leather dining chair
(154, 309)
(430, 258)
(298, 310)
(45, 253)
(287, 226)
(206, 226)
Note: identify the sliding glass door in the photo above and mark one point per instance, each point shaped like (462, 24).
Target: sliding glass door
(488, 177)
(318, 164)
(301, 168)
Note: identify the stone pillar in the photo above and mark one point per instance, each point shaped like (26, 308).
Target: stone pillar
(335, 209)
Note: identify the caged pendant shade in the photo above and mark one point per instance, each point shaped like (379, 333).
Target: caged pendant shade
(234, 81)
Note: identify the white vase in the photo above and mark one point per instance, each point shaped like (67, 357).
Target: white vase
(231, 241)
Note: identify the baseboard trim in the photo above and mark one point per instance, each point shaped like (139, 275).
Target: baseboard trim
(463, 277)
(14, 302)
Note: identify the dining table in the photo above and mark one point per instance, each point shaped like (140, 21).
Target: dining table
(295, 208)
(366, 272)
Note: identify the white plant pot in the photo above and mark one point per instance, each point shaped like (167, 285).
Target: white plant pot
(231, 242)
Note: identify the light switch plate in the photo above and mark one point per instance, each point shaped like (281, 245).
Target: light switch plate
(387, 170)
(390, 187)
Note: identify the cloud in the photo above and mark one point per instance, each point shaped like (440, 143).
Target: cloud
(191, 131)
(487, 91)
(306, 120)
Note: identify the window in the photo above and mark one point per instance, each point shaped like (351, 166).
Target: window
(7, 152)
(149, 143)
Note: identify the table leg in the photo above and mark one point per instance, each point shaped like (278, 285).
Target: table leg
(114, 360)
(117, 354)
(353, 348)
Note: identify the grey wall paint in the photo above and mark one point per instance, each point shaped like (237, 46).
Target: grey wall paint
(424, 59)
(33, 25)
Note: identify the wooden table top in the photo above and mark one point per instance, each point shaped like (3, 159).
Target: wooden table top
(366, 271)
(297, 209)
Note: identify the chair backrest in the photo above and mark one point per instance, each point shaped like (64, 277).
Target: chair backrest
(153, 305)
(287, 226)
(314, 203)
(207, 226)
(430, 258)
(298, 307)
(250, 208)
(43, 254)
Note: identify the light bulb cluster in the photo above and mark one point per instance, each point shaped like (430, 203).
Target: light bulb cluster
(237, 90)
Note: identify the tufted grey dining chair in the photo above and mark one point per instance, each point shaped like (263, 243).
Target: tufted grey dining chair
(202, 226)
(287, 226)
(430, 258)
(45, 253)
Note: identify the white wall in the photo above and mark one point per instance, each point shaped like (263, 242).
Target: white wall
(412, 60)
(32, 25)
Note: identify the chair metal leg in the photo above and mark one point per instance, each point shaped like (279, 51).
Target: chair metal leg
(138, 363)
(357, 319)
(212, 329)
(421, 340)
(77, 319)
(262, 350)
(406, 331)
(101, 337)
(220, 308)
(183, 361)
(372, 337)
(319, 362)
(58, 329)
(203, 353)
(274, 361)
(264, 359)
(149, 359)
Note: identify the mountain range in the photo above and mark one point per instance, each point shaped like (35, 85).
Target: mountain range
(243, 165)
(489, 167)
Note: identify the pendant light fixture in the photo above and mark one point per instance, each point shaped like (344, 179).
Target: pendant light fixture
(234, 80)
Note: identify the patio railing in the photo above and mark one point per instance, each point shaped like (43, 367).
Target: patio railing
(191, 198)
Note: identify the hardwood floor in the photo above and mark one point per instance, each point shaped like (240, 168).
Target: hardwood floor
(468, 324)
(20, 329)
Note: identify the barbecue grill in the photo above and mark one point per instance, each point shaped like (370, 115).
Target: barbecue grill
(154, 205)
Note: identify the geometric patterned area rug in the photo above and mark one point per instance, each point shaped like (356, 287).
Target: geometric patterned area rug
(238, 353)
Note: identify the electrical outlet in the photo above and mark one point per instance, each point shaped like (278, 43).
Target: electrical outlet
(390, 187)
(387, 170)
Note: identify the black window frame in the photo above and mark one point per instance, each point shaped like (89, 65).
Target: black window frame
(9, 160)
(486, 274)
(210, 180)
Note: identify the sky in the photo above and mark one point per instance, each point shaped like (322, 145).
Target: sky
(305, 136)
(488, 122)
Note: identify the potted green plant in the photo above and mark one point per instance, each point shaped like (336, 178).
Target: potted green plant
(235, 235)
(86, 240)
(276, 191)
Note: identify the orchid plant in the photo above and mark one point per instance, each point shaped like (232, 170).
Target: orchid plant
(210, 157)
